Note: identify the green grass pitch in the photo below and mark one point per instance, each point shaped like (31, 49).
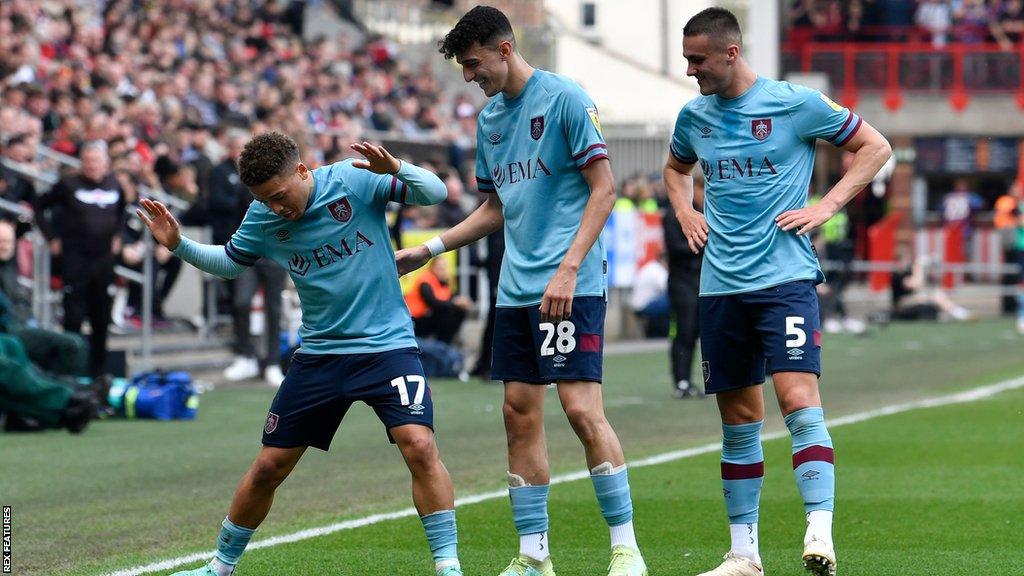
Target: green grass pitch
(934, 491)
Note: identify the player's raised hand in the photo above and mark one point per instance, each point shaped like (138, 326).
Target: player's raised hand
(410, 259)
(806, 219)
(378, 160)
(695, 228)
(160, 222)
(556, 304)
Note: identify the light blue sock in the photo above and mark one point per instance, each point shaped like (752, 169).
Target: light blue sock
(742, 471)
(530, 508)
(1020, 304)
(813, 459)
(613, 496)
(442, 535)
(232, 542)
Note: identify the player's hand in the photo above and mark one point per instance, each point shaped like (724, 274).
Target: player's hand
(806, 219)
(556, 304)
(410, 259)
(378, 160)
(160, 222)
(695, 228)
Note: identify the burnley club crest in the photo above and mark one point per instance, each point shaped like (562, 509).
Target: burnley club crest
(761, 128)
(341, 210)
(537, 127)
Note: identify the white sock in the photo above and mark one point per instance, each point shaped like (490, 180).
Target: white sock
(221, 568)
(438, 566)
(744, 540)
(535, 546)
(819, 524)
(623, 535)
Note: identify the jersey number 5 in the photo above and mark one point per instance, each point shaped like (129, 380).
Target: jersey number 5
(795, 335)
(564, 343)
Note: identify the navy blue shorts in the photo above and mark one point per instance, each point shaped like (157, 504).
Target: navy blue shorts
(527, 350)
(319, 389)
(744, 335)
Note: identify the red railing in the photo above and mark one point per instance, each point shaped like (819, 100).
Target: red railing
(957, 71)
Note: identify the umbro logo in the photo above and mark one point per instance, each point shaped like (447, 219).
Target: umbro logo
(811, 474)
(416, 409)
(559, 359)
(795, 354)
(283, 235)
(494, 137)
(705, 132)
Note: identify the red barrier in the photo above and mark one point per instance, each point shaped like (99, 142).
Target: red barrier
(954, 253)
(882, 248)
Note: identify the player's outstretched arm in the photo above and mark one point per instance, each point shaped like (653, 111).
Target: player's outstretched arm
(679, 184)
(425, 188)
(556, 303)
(871, 151)
(486, 219)
(166, 230)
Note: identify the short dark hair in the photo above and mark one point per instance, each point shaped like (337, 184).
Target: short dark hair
(482, 24)
(267, 155)
(715, 23)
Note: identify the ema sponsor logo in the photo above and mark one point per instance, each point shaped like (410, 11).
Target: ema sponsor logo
(731, 168)
(519, 171)
(300, 264)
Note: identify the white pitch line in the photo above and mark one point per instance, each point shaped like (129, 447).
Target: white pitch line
(972, 395)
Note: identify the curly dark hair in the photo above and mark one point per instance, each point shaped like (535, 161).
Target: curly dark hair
(267, 155)
(483, 24)
(716, 23)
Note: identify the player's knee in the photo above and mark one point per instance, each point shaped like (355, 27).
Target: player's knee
(268, 473)
(420, 451)
(586, 422)
(518, 414)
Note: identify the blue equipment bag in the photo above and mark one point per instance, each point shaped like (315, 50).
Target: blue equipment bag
(160, 396)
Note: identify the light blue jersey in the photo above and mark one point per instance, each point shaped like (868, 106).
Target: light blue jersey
(757, 154)
(530, 151)
(338, 254)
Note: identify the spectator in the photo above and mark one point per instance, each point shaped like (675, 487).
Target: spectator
(450, 212)
(936, 17)
(93, 214)
(1008, 24)
(683, 291)
(436, 312)
(649, 299)
(958, 209)
(1009, 209)
(913, 300)
(495, 244)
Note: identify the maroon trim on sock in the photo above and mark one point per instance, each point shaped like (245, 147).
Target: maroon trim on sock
(813, 454)
(742, 471)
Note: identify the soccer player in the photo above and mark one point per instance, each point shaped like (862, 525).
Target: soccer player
(544, 163)
(755, 140)
(327, 227)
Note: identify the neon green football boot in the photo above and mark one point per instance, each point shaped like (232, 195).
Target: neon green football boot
(204, 571)
(523, 565)
(626, 561)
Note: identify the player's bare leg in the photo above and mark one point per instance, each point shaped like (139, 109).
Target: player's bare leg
(528, 477)
(742, 413)
(584, 407)
(431, 485)
(249, 507)
(255, 493)
(813, 465)
(432, 494)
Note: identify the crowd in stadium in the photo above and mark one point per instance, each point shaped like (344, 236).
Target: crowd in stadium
(936, 21)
